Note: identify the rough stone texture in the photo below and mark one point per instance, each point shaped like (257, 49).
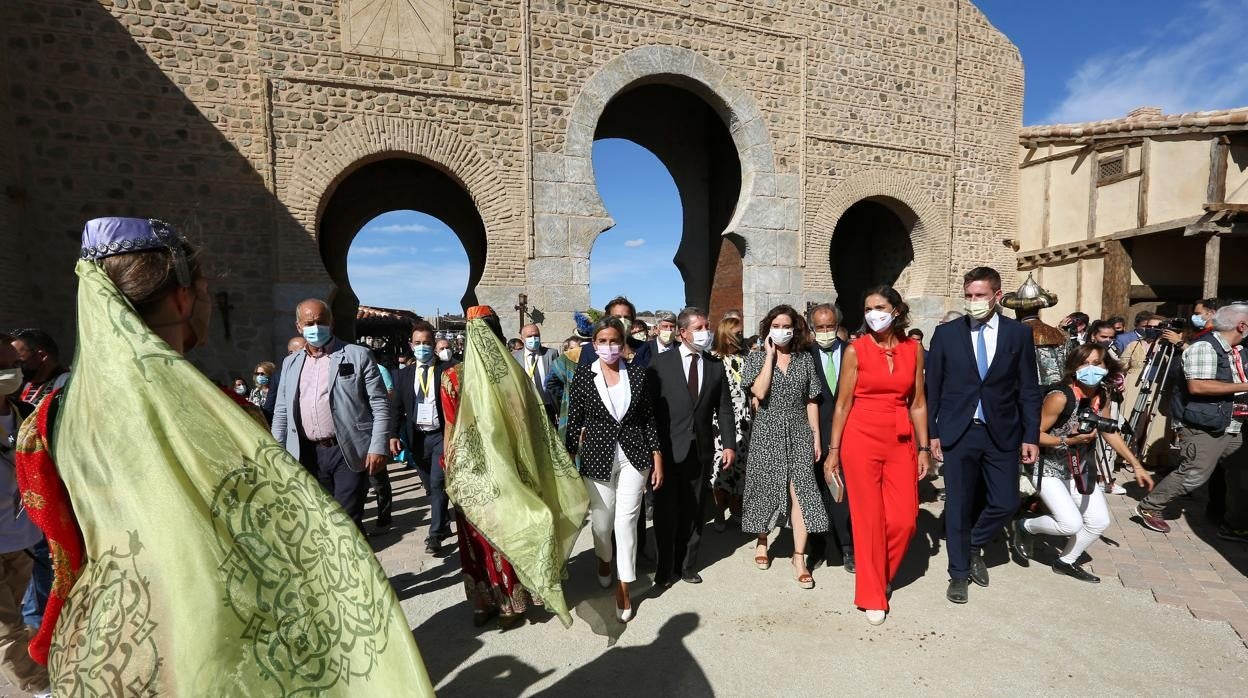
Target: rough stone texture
(236, 121)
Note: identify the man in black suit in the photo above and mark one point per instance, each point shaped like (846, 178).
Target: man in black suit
(420, 412)
(624, 309)
(688, 387)
(827, 352)
(983, 404)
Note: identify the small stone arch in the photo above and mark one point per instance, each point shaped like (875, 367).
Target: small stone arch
(570, 214)
(928, 224)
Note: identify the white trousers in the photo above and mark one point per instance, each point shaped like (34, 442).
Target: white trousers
(1082, 518)
(613, 507)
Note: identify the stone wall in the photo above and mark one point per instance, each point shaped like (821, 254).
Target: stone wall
(236, 120)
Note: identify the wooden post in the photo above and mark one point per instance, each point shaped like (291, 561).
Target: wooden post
(1213, 257)
(1216, 190)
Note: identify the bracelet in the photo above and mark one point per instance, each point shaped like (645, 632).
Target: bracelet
(834, 448)
(925, 449)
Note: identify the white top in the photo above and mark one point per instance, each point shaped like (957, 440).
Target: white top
(617, 398)
(533, 365)
(426, 375)
(686, 357)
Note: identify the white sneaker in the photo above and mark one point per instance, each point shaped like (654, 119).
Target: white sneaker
(876, 617)
(1118, 489)
(624, 614)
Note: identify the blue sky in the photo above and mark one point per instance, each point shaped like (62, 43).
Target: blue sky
(1084, 60)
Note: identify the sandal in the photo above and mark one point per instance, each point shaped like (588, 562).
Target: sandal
(763, 561)
(804, 580)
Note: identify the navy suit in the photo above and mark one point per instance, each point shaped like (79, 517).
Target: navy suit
(840, 535)
(424, 448)
(984, 451)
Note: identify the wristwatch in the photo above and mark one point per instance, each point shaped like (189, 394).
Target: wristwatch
(1062, 445)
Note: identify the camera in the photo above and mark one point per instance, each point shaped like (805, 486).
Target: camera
(1089, 421)
(1176, 325)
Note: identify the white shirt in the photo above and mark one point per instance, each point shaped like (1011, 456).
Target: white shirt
(430, 397)
(617, 398)
(686, 358)
(531, 358)
(664, 347)
(990, 344)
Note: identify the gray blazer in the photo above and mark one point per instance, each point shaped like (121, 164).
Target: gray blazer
(545, 358)
(357, 400)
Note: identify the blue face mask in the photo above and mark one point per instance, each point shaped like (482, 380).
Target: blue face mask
(1198, 321)
(318, 335)
(422, 352)
(1091, 375)
(533, 343)
(262, 380)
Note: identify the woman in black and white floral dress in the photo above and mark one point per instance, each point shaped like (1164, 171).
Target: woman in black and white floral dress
(728, 483)
(784, 441)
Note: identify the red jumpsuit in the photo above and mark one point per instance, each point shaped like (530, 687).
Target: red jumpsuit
(880, 466)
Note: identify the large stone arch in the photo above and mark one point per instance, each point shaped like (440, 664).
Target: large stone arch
(570, 214)
(924, 280)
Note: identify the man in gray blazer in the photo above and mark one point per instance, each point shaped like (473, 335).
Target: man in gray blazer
(331, 410)
(536, 359)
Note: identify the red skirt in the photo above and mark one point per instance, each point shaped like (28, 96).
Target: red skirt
(489, 580)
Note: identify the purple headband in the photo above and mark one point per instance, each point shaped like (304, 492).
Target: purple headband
(108, 237)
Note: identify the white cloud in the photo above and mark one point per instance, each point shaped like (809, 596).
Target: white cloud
(381, 250)
(1198, 62)
(635, 243)
(398, 228)
(412, 285)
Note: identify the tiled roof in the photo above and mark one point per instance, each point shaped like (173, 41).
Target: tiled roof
(1142, 119)
(367, 312)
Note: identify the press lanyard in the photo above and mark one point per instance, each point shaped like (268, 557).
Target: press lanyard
(532, 364)
(426, 381)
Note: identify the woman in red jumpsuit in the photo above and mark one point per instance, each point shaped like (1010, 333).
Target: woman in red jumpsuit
(879, 434)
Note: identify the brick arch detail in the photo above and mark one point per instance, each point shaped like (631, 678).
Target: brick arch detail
(316, 172)
(929, 233)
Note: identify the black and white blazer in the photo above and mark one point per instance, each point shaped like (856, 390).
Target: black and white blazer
(593, 433)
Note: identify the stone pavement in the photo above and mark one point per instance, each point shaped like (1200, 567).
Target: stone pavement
(1189, 568)
(746, 632)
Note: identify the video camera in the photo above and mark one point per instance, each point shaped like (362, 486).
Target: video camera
(1179, 325)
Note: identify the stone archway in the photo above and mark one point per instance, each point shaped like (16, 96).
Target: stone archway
(569, 213)
(922, 281)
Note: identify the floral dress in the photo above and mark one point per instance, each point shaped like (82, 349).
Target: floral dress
(732, 479)
(782, 448)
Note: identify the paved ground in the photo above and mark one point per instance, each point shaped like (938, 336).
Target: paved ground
(747, 632)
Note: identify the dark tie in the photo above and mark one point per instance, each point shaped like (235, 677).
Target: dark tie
(537, 375)
(420, 383)
(693, 378)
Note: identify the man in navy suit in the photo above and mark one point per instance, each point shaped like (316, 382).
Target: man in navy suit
(827, 351)
(983, 403)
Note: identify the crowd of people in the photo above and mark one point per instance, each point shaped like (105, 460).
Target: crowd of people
(258, 489)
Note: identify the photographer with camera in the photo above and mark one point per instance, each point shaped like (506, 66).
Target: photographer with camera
(1076, 327)
(1209, 407)
(1144, 360)
(1074, 412)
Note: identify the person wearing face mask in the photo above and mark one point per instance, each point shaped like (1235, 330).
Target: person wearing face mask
(239, 386)
(1102, 333)
(879, 433)
(690, 390)
(1068, 486)
(18, 534)
(564, 369)
(419, 414)
(1202, 317)
(536, 361)
(780, 484)
(446, 355)
(40, 361)
(640, 331)
(635, 352)
(828, 351)
(665, 338)
(187, 506)
(728, 479)
(263, 377)
(332, 412)
(1209, 407)
(614, 439)
(983, 401)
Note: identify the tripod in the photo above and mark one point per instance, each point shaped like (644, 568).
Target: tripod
(1152, 382)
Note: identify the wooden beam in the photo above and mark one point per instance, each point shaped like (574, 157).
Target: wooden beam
(1030, 162)
(1215, 192)
(1213, 258)
(1234, 208)
(1116, 283)
(1141, 218)
(1162, 227)
(1117, 178)
(1093, 175)
(1048, 205)
(1038, 141)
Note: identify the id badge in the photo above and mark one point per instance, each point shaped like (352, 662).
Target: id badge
(425, 414)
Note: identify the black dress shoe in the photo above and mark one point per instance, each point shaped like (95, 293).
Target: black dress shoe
(957, 592)
(432, 547)
(1075, 571)
(979, 569)
(691, 578)
(1024, 540)
(848, 562)
(664, 582)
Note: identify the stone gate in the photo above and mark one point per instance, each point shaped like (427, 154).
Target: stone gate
(272, 130)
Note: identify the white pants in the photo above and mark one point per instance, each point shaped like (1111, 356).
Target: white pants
(614, 506)
(1082, 518)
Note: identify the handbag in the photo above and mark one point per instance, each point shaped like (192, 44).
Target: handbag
(836, 486)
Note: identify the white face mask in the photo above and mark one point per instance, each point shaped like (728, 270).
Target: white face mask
(444, 355)
(980, 310)
(665, 337)
(701, 340)
(10, 381)
(878, 320)
(781, 336)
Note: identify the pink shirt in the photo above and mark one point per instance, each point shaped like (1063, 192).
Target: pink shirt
(314, 383)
